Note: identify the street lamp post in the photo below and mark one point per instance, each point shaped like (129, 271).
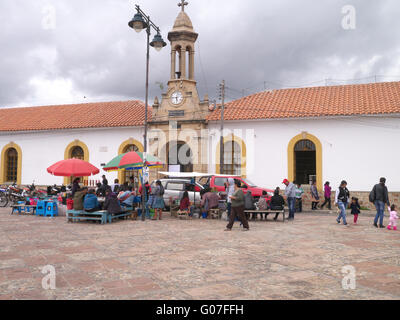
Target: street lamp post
(139, 22)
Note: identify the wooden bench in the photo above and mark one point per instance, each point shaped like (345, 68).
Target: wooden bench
(79, 215)
(266, 212)
(21, 209)
(125, 213)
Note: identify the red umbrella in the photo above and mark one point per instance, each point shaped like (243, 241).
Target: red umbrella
(72, 168)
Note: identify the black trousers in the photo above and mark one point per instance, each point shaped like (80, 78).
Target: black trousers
(327, 201)
(299, 205)
(237, 212)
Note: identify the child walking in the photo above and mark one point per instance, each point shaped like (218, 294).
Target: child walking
(355, 208)
(393, 217)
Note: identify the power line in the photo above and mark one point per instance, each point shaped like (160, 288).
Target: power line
(201, 66)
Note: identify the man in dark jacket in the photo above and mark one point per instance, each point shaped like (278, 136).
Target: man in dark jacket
(112, 204)
(277, 202)
(249, 204)
(75, 186)
(380, 196)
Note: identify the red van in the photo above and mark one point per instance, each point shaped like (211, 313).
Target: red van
(219, 182)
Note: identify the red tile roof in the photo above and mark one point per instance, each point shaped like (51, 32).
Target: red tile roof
(364, 99)
(87, 115)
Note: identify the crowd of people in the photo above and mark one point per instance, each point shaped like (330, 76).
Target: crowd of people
(117, 197)
(379, 196)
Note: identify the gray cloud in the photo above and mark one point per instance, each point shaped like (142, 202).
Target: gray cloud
(282, 42)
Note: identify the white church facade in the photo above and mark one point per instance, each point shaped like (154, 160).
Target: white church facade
(323, 133)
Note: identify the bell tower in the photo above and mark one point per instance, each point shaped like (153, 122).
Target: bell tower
(181, 101)
(182, 38)
(180, 114)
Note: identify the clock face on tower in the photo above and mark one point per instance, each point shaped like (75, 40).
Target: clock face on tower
(176, 97)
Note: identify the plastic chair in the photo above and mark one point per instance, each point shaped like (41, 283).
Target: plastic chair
(51, 209)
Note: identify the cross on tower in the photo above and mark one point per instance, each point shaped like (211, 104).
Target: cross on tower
(183, 4)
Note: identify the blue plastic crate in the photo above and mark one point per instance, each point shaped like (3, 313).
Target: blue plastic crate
(41, 208)
(51, 209)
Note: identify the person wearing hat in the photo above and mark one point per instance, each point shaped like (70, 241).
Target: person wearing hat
(290, 193)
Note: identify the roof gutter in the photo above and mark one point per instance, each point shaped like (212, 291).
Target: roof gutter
(3, 133)
(387, 115)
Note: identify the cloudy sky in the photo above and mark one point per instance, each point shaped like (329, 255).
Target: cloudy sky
(72, 51)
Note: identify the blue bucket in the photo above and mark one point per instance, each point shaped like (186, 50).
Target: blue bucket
(204, 215)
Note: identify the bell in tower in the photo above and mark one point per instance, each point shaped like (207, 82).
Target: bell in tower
(182, 38)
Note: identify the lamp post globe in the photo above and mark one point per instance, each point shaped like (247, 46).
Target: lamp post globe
(158, 43)
(138, 23)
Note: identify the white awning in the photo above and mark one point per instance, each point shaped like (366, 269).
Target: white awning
(193, 175)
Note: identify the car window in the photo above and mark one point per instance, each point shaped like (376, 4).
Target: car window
(242, 184)
(176, 186)
(220, 181)
(251, 184)
(204, 180)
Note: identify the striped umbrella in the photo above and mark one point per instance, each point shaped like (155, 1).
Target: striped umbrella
(131, 161)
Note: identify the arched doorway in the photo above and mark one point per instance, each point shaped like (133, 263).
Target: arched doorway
(305, 162)
(127, 174)
(305, 159)
(179, 157)
(232, 158)
(11, 162)
(128, 146)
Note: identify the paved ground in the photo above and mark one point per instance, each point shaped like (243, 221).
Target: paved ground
(173, 259)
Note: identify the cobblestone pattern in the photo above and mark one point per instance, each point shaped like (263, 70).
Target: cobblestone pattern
(178, 259)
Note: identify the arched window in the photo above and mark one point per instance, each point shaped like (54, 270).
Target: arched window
(12, 165)
(131, 147)
(77, 153)
(232, 158)
(304, 145)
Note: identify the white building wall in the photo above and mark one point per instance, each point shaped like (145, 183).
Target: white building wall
(358, 149)
(42, 149)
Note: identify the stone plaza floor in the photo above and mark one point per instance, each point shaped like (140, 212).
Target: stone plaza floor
(178, 259)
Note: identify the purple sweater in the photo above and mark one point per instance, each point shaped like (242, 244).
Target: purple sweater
(327, 191)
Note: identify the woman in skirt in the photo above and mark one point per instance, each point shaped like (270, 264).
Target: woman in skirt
(158, 204)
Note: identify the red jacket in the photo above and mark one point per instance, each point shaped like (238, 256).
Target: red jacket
(185, 203)
(147, 187)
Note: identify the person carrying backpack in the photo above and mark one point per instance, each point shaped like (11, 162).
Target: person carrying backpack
(379, 196)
